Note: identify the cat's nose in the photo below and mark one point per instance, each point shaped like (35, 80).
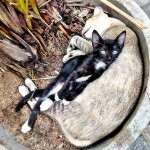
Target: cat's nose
(109, 58)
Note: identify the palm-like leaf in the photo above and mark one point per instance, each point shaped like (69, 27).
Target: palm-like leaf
(9, 21)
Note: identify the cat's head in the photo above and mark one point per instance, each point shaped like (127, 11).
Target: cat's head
(108, 50)
(99, 18)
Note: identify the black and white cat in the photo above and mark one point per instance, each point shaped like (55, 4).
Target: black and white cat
(76, 74)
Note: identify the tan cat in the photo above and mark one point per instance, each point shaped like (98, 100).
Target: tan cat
(106, 102)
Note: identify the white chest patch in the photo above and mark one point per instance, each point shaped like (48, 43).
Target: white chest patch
(100, 64)
(81, 79)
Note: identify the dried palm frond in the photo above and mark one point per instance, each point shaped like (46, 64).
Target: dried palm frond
(14, 51)
(10, 19)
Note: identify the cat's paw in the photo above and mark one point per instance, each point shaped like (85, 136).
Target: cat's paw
(66, 58)
(46, 104)
(23, 90)
(25, 128)
(29, 83)
(65, 102)
(72, 54)
(56, 97)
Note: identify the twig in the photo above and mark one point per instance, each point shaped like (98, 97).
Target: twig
(75, 5)
(65, 25)
(38, 17)
(41, 40)
(59, 25)
(56, 19)
(74, 1)
(82, 21)
(45, 3)
(46, 78)
(139, 24)
(19, 70)
(36, 40)
(1, 69)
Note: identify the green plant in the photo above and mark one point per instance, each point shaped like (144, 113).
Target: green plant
(24, 6)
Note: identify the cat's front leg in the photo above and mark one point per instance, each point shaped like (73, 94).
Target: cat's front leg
(75, 91)
(72, 54)
(79, 43)
(65, 88)
(67, 84)
(76, 76)
(60, 94)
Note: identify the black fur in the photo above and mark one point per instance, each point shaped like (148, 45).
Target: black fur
(36, 93)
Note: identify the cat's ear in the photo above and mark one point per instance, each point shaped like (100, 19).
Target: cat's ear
(96, 39)
(120, 39)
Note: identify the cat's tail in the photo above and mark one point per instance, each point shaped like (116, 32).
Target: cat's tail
(32, 94)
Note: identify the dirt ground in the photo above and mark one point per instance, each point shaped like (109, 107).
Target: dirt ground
(46, 135)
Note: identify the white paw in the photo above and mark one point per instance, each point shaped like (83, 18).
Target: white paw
(25, 128)
(46, 104)
(29, 83)
(65, 102)
(23, 90)
(69, 49)
(65, 58)
(57, 98)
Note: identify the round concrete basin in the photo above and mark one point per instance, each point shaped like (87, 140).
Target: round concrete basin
(141, 115)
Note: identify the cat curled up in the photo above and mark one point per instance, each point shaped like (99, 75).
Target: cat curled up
(76, 74)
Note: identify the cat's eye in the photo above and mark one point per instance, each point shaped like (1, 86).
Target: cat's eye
(115, 52)
(103, 52)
